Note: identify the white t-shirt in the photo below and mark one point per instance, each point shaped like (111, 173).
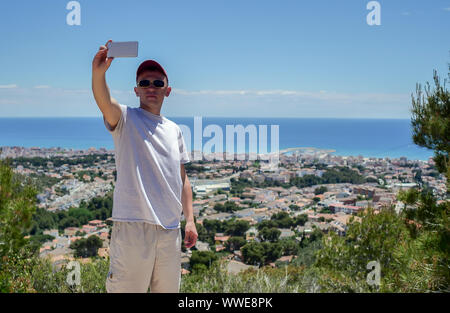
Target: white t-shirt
(149, 149)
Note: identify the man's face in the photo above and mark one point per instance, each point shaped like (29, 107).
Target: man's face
(152, 96)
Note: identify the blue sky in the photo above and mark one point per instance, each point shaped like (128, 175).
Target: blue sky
(226, 58)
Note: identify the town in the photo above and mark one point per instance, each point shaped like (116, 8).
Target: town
(237, 203)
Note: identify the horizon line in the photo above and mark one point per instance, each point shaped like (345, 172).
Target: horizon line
(243, 117)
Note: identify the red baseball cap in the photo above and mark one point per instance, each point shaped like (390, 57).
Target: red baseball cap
(151, 65)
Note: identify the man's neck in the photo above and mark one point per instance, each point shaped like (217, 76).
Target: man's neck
(150, 109)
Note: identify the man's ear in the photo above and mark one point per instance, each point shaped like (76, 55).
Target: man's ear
(169, 89)
(135, 90)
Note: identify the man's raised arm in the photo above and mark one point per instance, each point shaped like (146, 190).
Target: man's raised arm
(108, 105)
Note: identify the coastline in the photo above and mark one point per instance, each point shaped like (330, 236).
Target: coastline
(341, 137)
(35, 151)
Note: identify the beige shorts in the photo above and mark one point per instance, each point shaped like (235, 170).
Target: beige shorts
(143, 256)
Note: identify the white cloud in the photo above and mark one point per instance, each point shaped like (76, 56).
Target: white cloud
(8, 86)
(48, 101)
(42, 86)
(77, 91)
(286, 103)
(208, 92)
(51, 101)
(446, 9)
(321, 95)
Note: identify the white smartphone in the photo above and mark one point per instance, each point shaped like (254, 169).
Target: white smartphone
(122, 49)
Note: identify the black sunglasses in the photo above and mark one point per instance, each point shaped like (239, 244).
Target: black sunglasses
(145, 83)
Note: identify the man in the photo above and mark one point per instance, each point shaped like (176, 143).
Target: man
(152, 187)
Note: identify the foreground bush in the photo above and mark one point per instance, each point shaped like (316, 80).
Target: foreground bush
(36, 275)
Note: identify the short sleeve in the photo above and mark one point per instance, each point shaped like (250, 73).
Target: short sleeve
(120, 124)
(184, 155)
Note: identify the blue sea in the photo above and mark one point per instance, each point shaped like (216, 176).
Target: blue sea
(367, 137)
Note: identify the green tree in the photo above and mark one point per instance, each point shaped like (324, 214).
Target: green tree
(228, 206)
(206, 258)
(282, 219)
(234, 243)
(87, 247)
(429, 229)
(294, 207)
(236, 227)
(43, 219)
(82, 215)
(272, 251)
(289, 246)
(213, 226)
(17, 205)
(267, 223)
(320, 190)
(431, 122)
(69, 221)
(253, 253)
(300, 219)
(374, 238)
(269, 234)
(315, 235)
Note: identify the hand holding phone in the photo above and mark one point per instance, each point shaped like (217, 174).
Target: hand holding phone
(122, 49)
(101, 63)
